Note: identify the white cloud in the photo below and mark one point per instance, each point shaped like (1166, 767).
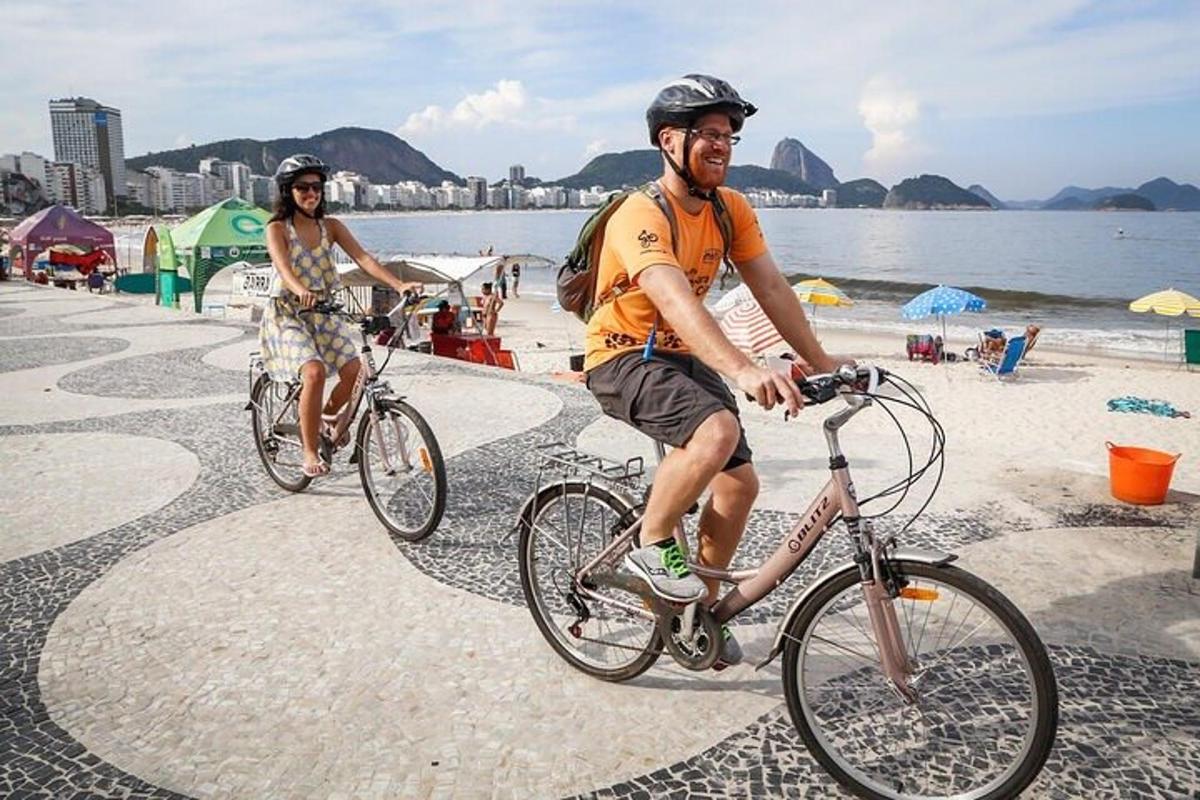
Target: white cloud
(595, 148)
(509, 103)
(891, 113)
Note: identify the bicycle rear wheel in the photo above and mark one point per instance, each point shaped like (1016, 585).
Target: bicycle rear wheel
(986, 711)
(402, 470)
(276, 425)
(567, 526)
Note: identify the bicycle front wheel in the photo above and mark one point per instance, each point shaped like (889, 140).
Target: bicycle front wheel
(985, 711)
(566, 528)
(276, 424)
(402, 470)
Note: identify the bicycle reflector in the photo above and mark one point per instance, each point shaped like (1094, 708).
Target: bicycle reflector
(426, 463)
(913, 593)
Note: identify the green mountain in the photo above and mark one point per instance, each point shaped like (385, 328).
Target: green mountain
(1167, 195)
(1125, 202)
(1070, 198)
(635, 167)
(980, 191)
(379, 155)
(1068, 203)
(861, 193)
(932, 192)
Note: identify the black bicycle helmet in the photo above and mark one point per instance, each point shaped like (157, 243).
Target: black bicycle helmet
(680, 103)
(298, 164)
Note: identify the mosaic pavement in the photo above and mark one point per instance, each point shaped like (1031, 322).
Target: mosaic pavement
(176, 626)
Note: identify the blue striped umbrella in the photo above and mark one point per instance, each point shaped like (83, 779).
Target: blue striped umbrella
(942, 301)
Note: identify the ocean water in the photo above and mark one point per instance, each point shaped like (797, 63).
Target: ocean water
(1066, 271)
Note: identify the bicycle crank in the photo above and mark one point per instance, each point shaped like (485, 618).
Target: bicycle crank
(692, 636)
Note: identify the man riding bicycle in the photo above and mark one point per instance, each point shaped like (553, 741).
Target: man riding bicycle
(655, 355)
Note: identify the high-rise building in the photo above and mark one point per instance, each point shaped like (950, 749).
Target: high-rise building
(477, 187)
(90, 134)
(516, 173)
(31, 165)
(235, 174)
(77, 185)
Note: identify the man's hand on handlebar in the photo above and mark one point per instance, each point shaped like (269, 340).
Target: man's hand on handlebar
(306, 299)
(769, 388)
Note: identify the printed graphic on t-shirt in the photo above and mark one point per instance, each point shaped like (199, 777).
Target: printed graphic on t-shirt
(638, 237)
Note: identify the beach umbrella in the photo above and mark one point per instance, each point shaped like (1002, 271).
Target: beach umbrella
(1167, 303)
(731, 299)
(748, 327)
(942, 301)
(820, 292)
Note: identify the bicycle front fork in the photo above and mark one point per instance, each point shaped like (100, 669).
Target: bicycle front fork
(893, 654)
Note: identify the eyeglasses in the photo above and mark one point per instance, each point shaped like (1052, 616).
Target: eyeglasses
(713, 136)
(304, 187)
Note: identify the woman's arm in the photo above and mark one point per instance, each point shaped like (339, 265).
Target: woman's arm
(341, 236)
(277, 248)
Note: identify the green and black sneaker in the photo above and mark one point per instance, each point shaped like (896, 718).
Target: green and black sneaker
(662, 566)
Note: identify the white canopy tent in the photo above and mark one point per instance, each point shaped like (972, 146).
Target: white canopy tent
(428, 269)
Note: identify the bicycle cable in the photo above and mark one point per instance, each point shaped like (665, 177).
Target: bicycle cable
(914, 400)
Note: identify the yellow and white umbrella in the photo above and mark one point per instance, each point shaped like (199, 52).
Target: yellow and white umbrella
(820, 292)
(1167, 303)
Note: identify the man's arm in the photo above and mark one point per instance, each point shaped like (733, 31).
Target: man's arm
(783, 308)
(672, 295)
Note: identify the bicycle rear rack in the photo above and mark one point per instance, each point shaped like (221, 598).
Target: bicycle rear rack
(565, 461)
(559, 462)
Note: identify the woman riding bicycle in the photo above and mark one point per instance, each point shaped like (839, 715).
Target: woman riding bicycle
(294, 340)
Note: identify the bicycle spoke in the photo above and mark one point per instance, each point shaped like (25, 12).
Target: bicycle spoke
(969, 725)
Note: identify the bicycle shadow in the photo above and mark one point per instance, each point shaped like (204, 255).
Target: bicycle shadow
(666, 675)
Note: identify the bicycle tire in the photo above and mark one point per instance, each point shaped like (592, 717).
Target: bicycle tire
(262, 416)
(543, 605)
(927, 762)
(400, 495)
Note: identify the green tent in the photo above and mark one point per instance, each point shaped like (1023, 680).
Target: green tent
(222, 234)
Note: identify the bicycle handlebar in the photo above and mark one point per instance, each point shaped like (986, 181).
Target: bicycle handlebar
(818, 389)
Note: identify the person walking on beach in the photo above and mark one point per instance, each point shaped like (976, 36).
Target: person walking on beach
(516, 279)
(492, 303)
(501, 283)
(294, 340)
(655, 356)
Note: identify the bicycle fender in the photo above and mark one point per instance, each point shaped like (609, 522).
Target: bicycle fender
(932, 557)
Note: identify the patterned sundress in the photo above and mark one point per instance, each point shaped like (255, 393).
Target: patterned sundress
(289, 339)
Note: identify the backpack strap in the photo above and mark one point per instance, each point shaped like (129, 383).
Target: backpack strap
(725, 223)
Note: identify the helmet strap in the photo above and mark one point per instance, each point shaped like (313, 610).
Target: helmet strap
(685, 172)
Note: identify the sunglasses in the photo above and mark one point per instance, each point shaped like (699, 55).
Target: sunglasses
(308, 186)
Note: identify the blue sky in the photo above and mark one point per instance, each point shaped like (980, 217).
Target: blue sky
(1023, 97)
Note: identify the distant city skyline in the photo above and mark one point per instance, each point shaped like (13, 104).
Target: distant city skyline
(1021, 98)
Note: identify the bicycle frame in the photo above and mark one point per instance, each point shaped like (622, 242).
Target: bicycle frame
(836, 499)
(366, 384)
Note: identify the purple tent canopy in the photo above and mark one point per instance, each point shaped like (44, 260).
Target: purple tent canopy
(58, 225)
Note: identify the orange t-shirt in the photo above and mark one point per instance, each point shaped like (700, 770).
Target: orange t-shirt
(637, 236)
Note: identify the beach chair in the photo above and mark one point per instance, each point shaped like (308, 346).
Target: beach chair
(1006, 367)
(1191, 348)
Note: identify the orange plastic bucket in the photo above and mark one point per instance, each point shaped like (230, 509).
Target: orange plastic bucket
(1138, 475)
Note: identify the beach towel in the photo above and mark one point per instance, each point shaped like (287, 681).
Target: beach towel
(1140, 405)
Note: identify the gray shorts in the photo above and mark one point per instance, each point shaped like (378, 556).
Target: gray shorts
(665, 398)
